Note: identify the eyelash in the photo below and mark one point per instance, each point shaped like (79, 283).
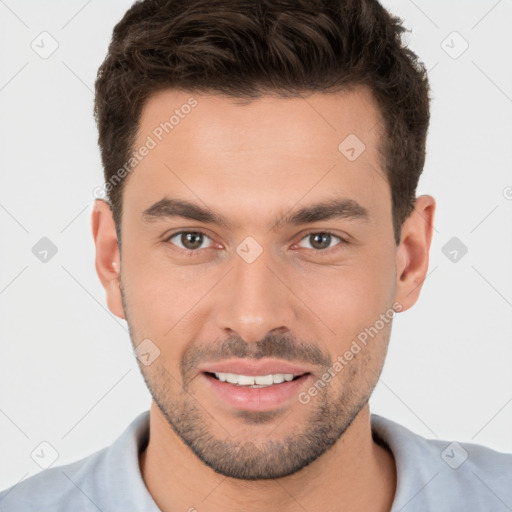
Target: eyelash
(196, 252)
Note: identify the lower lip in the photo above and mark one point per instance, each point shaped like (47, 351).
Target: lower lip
(256, 399)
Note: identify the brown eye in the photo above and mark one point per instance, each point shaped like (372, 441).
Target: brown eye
(189, 240)
(322, 240)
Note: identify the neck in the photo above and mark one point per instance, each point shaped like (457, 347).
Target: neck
(356, 474)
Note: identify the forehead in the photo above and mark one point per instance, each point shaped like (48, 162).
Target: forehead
(305, 124)
(215, 150)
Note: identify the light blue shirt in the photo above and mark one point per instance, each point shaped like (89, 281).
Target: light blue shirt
(432, 476)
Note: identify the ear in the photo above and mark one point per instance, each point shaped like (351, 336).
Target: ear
(413, 251)
(108, 259)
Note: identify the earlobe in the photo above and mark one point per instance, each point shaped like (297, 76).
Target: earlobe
(413, 252)
(107, 255)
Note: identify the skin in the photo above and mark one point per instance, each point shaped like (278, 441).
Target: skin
(254, 163)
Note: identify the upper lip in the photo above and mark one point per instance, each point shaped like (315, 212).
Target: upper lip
(254, 368)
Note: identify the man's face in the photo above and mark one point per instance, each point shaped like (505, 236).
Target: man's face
(256, 289)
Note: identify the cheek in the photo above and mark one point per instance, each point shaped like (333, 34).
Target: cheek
(149, 293)
(351, 297)
(163, 298)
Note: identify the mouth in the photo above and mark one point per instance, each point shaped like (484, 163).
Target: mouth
(255, 392)
(255, 381)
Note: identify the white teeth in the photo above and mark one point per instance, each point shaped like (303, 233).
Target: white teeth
(256, 381)
(232, 378)
(243, 380)
(265, 380)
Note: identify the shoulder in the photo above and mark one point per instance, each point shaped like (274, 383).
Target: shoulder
(69, 486)
(108, 479)
(449, 475)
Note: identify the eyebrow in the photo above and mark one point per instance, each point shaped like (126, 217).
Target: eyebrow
(341, 208)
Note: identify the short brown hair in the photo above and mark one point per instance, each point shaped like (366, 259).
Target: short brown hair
(244, 49)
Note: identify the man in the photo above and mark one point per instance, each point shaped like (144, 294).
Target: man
(262, 230)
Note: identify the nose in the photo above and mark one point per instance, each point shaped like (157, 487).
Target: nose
(255, 299)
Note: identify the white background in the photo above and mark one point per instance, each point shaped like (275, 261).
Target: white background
(67, 372)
